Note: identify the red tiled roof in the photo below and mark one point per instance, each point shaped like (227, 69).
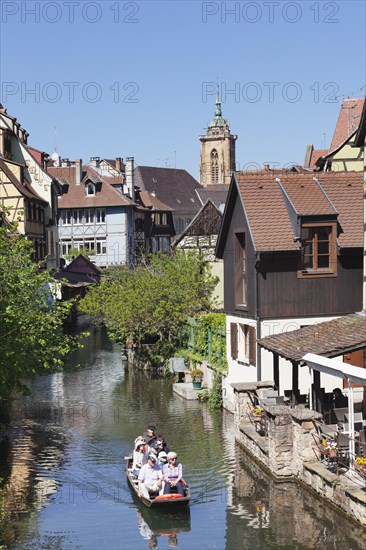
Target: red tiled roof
(266, 212)
(345, 190)
(308, 199)
(316, 155)
(76, 197)
(269, 220)
(348, 120)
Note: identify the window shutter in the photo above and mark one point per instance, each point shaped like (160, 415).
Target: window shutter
(234, 340)
(252, 346)
(237, 270)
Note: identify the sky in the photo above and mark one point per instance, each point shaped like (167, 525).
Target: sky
(118, 78)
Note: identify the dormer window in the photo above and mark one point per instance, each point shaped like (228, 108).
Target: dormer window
(90, 190)
(318, 249)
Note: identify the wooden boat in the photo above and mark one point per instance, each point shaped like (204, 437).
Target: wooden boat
(167, 502)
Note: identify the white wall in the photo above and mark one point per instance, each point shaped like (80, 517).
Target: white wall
(239, 372)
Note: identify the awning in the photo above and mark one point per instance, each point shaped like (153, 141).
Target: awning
(329, 339)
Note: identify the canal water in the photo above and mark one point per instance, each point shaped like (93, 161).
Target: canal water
(64, 479)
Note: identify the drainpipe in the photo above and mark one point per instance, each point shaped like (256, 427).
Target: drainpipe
(257, 317)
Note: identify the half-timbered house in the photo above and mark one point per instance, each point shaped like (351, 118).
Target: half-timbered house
(27, 192)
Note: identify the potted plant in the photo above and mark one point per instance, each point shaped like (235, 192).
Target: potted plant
(257, 414)
(197, 376)
(360, 465)
(330, 446)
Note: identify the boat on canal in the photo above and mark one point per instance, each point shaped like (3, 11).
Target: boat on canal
(167, 502)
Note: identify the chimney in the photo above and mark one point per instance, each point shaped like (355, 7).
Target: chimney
(78, 171)
(119, 164)
(129, 177)
(94, 161)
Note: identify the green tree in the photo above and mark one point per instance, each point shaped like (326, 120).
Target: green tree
(153, 300)
(31, 332)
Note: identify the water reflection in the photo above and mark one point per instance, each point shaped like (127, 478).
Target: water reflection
(64, 470)
(290, 514)
(154, 524)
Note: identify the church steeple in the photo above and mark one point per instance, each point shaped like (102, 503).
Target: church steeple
(218, 105)
(218, 121)
(217, 150)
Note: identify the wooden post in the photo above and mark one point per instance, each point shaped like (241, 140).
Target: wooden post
(276, 372)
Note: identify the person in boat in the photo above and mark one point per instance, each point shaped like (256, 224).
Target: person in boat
(160, 444)
(162, 459)
(150, 436)
(150, 477)
(173, 475)
(139, 457)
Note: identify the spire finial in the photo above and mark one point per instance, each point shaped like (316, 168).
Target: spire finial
(218, 102)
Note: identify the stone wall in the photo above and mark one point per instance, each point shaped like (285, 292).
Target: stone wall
(287, 449)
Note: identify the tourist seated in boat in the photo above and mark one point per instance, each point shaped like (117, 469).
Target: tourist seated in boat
(150, 477)
(160, 444)
(149, 435)
(139, 457)
(173, 475)
(162, 459)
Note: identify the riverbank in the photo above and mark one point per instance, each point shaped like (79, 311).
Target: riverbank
(283, 443)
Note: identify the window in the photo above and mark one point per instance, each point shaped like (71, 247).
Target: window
(89, 216)
(234, 340)
(100, 215)
(246, 345)
(7, 145)
(65, 247)
(90, 190)
(214, 166)
(243, 343)
(101, 247)
(78, 217)
(240, 269)
(89, 245)
(66, 217)
(318, 252)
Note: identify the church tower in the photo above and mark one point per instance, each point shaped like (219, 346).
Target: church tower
(217, 150)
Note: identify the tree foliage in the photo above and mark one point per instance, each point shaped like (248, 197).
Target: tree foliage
(31, 333)
(153, 300)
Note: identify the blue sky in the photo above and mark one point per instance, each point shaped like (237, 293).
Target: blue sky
(114, 78)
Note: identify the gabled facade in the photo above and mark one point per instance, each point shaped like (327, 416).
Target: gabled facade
(344, 154)
(94, 214)
(292, 247)
(154, 226)
(201, 236)
(28, 191)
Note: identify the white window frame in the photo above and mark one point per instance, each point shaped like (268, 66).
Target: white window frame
(100, 213)
(77, 216)
(89, 216)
